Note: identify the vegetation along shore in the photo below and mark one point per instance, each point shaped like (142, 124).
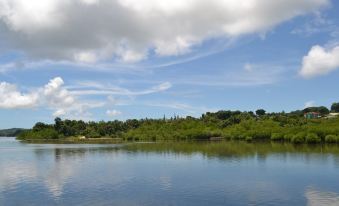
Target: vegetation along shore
(311, 125)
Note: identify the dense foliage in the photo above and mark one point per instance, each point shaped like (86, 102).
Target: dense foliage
(230, 125)
(335, 107)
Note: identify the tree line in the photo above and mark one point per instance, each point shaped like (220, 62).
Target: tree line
(230, 125)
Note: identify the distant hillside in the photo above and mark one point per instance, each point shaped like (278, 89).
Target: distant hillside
(11, 132)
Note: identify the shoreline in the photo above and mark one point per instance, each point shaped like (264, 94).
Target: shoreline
(73, 141)
(120, 140)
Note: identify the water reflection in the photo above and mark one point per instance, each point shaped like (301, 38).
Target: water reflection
(236, 151)
(321, 198)
(67, 164)
(195, 173)
(14, 173)
(56, 176)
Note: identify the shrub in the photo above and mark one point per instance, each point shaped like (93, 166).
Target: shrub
(249, 139)
(41, 134)
(227, 136)
(331, 138)
(298, 138)
(312, 138)
(277, 137)
(239, 137)
(261, 135)
(288, 137)
(93, 134)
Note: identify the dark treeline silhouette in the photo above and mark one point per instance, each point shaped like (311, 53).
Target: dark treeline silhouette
(230, 125)
(11, 132)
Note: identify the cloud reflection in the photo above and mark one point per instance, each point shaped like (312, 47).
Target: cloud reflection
(321, 198)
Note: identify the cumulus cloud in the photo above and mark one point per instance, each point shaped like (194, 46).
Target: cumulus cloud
(58, 98)
(113, 113)
(67, 101)
(56, 95)
(53, 96)
(10, 97)
(131, 30)
(320, 61)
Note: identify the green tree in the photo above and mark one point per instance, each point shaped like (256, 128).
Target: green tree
(57, 124)
(335, 107)
(40, 126)
(260, 112)
(322, 110)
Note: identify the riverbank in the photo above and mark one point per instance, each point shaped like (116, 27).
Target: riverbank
(74, 141)
(121, 140)
(223, 125)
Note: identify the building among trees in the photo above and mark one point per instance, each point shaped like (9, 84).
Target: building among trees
(312, 115)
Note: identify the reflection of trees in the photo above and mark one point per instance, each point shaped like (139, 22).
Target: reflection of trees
(60, 153)
(316, 197)
(234, 150)
(75, 152)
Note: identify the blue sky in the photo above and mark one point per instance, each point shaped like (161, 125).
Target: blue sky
(137, 59)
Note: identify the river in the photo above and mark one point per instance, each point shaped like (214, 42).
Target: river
(176, 173)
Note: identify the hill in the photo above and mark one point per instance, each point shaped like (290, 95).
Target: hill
(13, 132)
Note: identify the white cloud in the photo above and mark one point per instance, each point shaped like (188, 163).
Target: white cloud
(131, 30)
(181, 106)
(67, 101)
(113, 113)
(318, 24)
(6, 67)
(320, 61)
(56, 95)
(309, 104)
(53, 96)
(94, 88)
(60, 99)
(86, 57)
(11, 98)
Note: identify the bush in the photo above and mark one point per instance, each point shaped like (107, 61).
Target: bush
(331, 138)
(288, 137)
(249, 139)
(312, 138)
(277, 137)
(298, 138)
(261, 135)
(227, 136)
(237, 136)
(42, 134)
(93, 134)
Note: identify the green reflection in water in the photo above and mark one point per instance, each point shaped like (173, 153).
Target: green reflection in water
(230, 148)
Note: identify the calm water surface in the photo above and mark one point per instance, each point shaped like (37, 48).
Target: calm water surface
(185, 174)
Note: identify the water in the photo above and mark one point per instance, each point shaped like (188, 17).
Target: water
(168, 174)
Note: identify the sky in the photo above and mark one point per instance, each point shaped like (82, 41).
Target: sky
(121, 59)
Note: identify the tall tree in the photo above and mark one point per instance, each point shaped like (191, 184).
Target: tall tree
(335, 107)
(57, 124)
